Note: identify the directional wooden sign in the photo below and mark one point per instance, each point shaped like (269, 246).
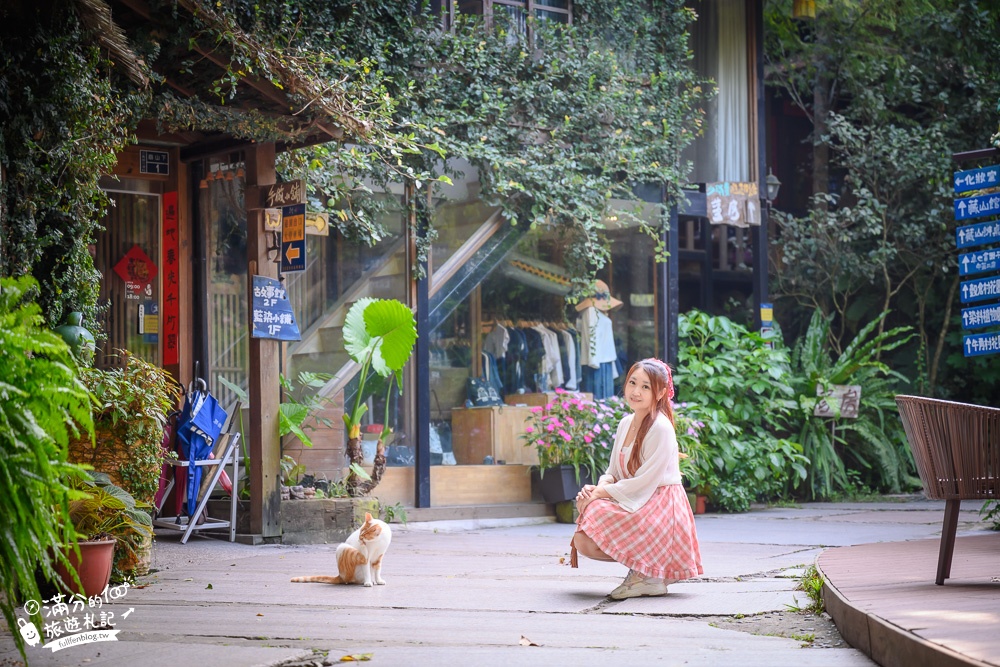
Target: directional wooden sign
(976, 345)
(977, 179)
(986, 260)
(293, 238)
(981, 316)
(977, 207)
(980, 261)
(980, 290)
(981, 234)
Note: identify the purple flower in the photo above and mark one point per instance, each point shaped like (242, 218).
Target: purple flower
(566, 436)
(587, 439)
(529, 429)
(536, 409)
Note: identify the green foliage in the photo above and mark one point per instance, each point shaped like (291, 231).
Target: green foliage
(132, 404)
(811, 583)
(874, 444)
(42, 404)
(735, 385)
(572, 430)
(556, 124)
(395, 513)
(291, 470)
(990, 511)
(107, 510)
(917, 83)
(379, 334)
(64, 116)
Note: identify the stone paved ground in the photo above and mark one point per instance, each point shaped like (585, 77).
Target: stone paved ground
(482, 594)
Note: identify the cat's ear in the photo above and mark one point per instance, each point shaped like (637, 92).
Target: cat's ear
(368, 517)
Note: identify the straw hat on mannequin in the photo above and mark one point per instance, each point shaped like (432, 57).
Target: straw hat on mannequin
(601, 299)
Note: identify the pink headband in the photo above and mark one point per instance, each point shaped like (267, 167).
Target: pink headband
(670, 377)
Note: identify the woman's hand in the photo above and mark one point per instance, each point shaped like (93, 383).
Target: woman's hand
(588, 494)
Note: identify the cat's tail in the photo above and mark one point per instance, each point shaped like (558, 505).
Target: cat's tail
(321, 579)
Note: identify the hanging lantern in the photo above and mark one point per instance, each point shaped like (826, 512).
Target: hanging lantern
(804, 9)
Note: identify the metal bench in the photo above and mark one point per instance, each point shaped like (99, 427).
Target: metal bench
(957, 451)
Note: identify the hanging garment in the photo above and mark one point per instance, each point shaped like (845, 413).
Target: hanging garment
(551, 362)
(598, 338)
(492, 373)
(568, 347)
(514, 361)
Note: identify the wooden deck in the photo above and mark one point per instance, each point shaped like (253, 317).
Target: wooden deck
(884, 601)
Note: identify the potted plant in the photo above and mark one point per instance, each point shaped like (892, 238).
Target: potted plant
(573, 436)
(378, 334)
(112, 532)
(42, 405)
(131, 404)
(697, 467)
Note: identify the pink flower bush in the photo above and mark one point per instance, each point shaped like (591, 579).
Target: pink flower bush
(575, 430)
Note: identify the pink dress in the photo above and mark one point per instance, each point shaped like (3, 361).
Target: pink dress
(649, 526)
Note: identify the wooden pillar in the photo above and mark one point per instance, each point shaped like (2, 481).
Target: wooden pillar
(264, 386)
(760, 241)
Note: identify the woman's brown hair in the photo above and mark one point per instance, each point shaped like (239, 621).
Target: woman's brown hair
(662, 384)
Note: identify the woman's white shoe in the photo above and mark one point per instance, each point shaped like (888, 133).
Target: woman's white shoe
(637, 585)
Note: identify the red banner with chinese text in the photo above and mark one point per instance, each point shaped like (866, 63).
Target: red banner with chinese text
(171, 287)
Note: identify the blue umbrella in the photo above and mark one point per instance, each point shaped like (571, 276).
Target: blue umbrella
(199, 425)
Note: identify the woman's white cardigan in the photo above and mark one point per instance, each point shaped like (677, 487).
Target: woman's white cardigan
(660, 464)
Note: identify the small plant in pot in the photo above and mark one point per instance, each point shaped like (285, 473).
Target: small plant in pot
(131, 404)
(573, 436)
(112, 531)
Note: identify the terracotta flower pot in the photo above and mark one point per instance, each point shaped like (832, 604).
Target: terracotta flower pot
(93, 567)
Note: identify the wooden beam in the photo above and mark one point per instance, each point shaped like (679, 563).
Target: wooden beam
(980, 154)
(263, 379)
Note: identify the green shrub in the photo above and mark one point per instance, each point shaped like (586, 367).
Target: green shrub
(735, 386)
(42, 404)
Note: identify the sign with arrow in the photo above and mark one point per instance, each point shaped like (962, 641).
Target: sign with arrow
(981, 234)
(977, 207)
(293, 238)
(980, 290)
(976, 345)
(976, 179)
(981, 316)
(980, 261)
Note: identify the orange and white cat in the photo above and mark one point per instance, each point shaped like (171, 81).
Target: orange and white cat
(359, 559)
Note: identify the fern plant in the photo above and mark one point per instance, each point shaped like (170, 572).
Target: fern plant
(874, 443)
(42, 405)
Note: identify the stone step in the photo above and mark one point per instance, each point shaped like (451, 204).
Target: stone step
(331, 339)
(317, 362)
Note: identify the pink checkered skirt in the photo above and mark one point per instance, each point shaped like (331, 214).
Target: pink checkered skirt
(657, 540)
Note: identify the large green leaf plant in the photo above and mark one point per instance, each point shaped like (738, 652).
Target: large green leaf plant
(42, 405)
(379, 334)
(846, 454)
